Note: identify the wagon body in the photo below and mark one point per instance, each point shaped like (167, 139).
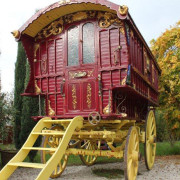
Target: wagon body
(99, 80)
(89, 57)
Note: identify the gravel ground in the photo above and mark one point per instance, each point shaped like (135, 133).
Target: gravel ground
(165, 168)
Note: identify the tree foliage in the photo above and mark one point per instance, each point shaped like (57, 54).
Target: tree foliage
(30, 108)
(166, 50)
(20, 73)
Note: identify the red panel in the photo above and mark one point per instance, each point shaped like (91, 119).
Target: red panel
(59, 55)
(116, 78)
(106, 79)
(43, 59)
(104, 48)
(89, 98)
(51, 57)
(58, 83)
(74, 96)
(52, 85)
(60, 105)
(37, 64)
(44, 85)
(114, 43)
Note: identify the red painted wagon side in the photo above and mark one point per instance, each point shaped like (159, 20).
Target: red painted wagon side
(120, 78)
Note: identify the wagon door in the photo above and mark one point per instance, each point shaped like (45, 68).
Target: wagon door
(81, 72)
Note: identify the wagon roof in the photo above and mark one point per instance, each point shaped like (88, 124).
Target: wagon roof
(48, 14)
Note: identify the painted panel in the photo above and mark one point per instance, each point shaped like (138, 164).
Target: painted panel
(114, 43)
(106, 79)
(73, 96)
(51, 57)
(43, 58)
(89, 98)
(52, 87)
(60, 105)
(44, 85)
(59, 55)
(104, 48)
(116, 78)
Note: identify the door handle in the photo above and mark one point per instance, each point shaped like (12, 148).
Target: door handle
(80, 74)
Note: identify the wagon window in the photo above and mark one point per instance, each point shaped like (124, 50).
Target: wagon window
(88, 43)
(73, 46)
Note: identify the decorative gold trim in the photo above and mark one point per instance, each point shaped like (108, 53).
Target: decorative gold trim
(36, 47)
(37, 89)
(90, 73)
(56, 27)
(123, 10)
(124, 81)
(107, 109)
(15, 33)
(131, 33)
(50, 110)
(89, 88)
(121, 29)
(74, 98)
(106, 19)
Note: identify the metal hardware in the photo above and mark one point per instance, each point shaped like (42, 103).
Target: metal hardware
(115, 54)
(100, 85)
(80, 74)
(94, 118)
(62, 88)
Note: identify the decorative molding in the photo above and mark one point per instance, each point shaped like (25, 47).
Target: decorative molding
(50, 110)
(36, 47)
(121, 29)
(107, 109)
(89, 93)
(74, 97)
(56, 27)
(37, 89)
(107, 19)
(123, 10)
(124, 81)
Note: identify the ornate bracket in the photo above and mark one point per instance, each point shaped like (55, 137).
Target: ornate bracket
(50, 110)
(37, 89)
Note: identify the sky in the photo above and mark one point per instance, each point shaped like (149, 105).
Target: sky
(152, 18)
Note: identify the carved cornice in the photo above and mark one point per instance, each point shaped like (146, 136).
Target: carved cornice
(105, 19)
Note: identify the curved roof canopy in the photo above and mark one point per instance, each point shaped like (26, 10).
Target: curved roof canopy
(47, 15)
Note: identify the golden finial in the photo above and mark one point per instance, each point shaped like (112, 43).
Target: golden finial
(123, 10)
(15, 33)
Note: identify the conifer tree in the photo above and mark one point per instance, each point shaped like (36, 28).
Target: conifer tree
(20, 72)
(30, 108)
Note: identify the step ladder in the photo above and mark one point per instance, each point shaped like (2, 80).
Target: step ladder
(47, 169)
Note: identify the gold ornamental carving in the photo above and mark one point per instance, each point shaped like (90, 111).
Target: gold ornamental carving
(123, 10)
(36, 47)
(89, 91)
(107, 19)
(107, 109)
(124, 81)
(50, 110)
(37, 89)
(121, 29)
(16, 34)
(74, 97)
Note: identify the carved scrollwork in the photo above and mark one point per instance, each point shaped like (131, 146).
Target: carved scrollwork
(54, 28)
(123, 10)
(37, 89)
(50, 110)
(89, 90)
(107, 19)
(121, 109)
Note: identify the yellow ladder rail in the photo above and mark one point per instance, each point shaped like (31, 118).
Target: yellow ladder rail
(47, 169)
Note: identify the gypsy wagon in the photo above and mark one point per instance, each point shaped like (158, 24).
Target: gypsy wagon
(99, 81)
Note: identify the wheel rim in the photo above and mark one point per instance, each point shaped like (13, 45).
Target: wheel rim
(150, 140)
(89, 145)
(53, 142)
(131, 154)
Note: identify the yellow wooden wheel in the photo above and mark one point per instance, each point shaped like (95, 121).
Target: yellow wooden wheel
(89, 160)
(131, 154)
(150, 140)
(53, 142)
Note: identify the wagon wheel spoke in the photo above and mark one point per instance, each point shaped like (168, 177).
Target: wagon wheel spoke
(53, 142)
(150, 137)
(131, 154)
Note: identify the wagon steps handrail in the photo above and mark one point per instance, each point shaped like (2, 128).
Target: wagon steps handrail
(47, 169)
